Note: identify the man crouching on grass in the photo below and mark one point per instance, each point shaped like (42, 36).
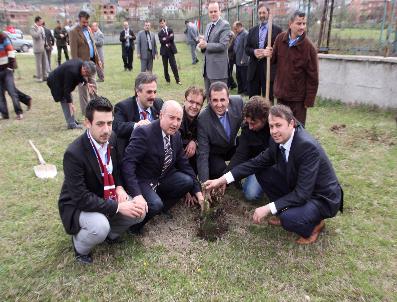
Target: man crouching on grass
(296, 175)
(93, 205)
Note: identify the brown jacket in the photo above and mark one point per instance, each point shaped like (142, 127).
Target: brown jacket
(297, 70)
(79, 45)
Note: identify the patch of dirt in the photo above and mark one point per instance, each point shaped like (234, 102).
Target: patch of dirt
(180, 233)
(338, 129)
(213, 224)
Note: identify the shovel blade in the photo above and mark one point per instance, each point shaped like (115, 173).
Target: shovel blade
(45, 171)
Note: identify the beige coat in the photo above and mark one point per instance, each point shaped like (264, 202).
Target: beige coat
(38, 36)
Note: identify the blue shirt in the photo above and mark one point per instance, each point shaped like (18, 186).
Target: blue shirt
(292, 42)
(148, 111)
(89, 41)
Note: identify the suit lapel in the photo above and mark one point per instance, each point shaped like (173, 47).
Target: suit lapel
(159, 145)
(233, 119)
(256, 36)
(90, 155)
(218, 125)
(135, 110)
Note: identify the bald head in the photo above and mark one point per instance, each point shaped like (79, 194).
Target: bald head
(171, 117)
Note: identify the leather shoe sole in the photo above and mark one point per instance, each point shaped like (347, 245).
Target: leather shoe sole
(274, 221)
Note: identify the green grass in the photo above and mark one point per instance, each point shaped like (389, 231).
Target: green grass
(357, 33)
(354, 259)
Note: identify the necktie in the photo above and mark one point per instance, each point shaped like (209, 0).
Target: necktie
(210, 31)
(262, 35)
(282, 149)
(149, 40)
(144, 114)
(168, 155)
(225, 123)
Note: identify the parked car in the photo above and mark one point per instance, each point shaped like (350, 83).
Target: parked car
(19, 44)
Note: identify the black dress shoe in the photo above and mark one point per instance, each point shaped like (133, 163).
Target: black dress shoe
(135, 230)
(77, 126)
(116, 240)
(84, 259)
(167, 214)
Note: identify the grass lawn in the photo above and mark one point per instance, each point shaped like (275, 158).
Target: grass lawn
(354, 259)
(357, 33)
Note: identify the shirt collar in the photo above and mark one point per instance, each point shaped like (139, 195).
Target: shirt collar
(221, 116)
(96, 144)
(216, 22)
(141, 109)
(287, 145)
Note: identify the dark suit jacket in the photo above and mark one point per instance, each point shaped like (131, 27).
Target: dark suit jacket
(211, 136)
(49, 39)
(144, 158)
(309, 174)
(252, 44)
(126, 114)
(64, 79)
(169, 40)
(131, 38)
(82, 189)
(250, 144)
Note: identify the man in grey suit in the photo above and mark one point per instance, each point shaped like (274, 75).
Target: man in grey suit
(241, 56)
(99, 40)
(192, 39)
(218, 125)
(214, 45)
(146, 47)
(38, 35)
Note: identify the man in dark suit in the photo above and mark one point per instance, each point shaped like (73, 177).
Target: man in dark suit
(256, 49)
(127, 38)
(93, 205)
(241, 57)
(155, 168)
(61, 37)
(139, 110)
(168, 51)
(64, 79)
(253, 140)
(296, 175)
(218, 125)
(214, 46)
(49, 43)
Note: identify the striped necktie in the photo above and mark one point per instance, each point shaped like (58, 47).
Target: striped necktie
(168, 155)
(262, 35)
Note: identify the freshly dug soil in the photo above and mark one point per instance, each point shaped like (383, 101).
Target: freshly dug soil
(213, 224)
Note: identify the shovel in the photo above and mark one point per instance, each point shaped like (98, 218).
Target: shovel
(43, 170)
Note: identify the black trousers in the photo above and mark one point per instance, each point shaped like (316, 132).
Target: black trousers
(301, 219)
(241, 76)
(257, 86)
(127, 55)
(65, 51)
(217, 163)
(230, 80)
(170, 57)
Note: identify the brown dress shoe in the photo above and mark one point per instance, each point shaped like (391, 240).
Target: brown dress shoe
(274, 220)
(313, 237)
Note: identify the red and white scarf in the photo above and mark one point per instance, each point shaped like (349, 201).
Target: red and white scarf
(109, 188)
